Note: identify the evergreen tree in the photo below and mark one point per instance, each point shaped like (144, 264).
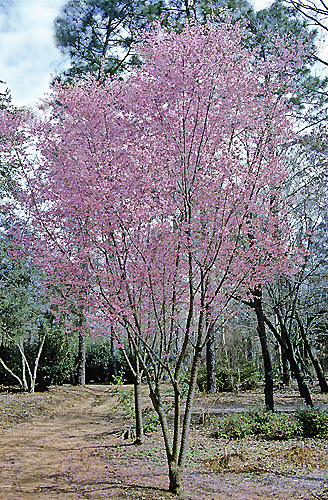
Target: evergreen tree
(97, 35)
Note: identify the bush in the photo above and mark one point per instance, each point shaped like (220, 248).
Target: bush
(268, 425)
(150, 419)
(58, 359)
(276, 426)
(236, 426)
(98, 361)
(11, 356)
(228, 379)
(225, 378)
(249, 376)
(313, 421)
(125, 399)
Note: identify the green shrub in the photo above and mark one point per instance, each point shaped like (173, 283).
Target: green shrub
(249, 376)
(98, 361)
(11, 356)
(201, 379)
(277, 427)
(228, 379)
(313, 421)
(225, 378)
(126, 400)
(268, 425)
(234, 426)
(58, 359)
(150, 419)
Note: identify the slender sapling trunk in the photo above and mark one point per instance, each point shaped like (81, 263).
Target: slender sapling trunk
(81, 360)
(256, 303)
(137, 406)
(210, 364)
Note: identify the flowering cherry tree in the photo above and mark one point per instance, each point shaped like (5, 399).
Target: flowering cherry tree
(154, 200)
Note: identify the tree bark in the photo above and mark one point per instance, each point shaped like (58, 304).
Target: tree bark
(176, 478)
(210, 364)
(289, 353)
(36, 363)
(113, 353)
(256, 303)
(175, 464)
(24, 373)
(320, 375)
(82, 360)
(316, 363)
(138, 407)
(285, 370)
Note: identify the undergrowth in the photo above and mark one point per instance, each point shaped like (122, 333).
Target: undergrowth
(309, 422)
(150, 419)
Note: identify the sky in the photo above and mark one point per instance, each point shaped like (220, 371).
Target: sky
(28, 55)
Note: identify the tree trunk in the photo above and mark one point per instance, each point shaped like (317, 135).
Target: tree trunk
(285, 370)
(289, 353)
(11, 373)
(175, 464)
(316, 363)
(36, 363)
(295, 368)
(320, 375)
(176, 479)
(113, 353)
(137, 406)
(268, 373)
(249, 350)
(24, 374)
(210, 364)
(302, 387)
(82, 360)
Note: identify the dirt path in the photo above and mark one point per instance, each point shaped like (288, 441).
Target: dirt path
(72, 448)
(35, 454)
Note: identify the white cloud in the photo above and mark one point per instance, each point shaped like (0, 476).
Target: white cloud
(261, 4)
(27, 49)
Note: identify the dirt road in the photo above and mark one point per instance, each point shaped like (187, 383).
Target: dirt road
(36, 456)
(72, 448)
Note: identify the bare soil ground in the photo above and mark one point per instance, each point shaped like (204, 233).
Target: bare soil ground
(67, 444)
